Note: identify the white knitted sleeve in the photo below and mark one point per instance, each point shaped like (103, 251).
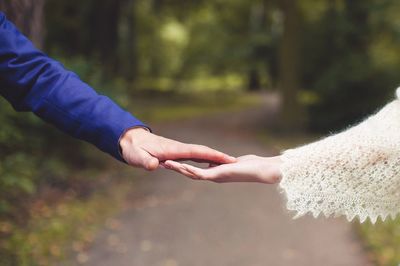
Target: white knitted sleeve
(355, 173)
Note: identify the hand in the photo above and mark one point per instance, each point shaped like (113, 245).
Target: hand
(142, 148)
(249, 168)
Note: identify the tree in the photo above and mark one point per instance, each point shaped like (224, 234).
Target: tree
(27, 15)
(104, 23)
(339, 68)
(292, 113)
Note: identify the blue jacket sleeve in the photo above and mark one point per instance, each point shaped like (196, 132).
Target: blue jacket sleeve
(31, 81)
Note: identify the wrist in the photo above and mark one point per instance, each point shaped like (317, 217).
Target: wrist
(273, 169)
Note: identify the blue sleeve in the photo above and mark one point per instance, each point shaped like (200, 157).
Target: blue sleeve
(31, 81)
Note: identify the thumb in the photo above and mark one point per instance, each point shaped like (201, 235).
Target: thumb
(145, 160)
(151, 164)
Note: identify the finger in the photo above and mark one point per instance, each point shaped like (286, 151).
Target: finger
(188, 174)
(143, 159)
(204, 153)
(219, 174)
(177, 167)
(199, 173)
(196, 161)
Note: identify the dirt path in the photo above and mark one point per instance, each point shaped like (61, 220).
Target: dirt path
(173, 221)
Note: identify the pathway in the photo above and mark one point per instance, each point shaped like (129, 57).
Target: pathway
(173, 221)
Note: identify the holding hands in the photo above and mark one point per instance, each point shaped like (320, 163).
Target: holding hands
(141, 148)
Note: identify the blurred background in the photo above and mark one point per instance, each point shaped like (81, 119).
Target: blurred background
(295, 69)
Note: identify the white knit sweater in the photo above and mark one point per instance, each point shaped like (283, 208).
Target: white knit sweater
(355, 173)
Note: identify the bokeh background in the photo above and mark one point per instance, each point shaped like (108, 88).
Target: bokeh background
(325, 64)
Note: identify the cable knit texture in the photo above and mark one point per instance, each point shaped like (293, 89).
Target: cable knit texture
(355, 173)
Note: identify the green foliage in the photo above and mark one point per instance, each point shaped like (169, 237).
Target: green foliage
(56, 230)
(33, 152)
(161, 44)
(382, 241)
(344, 64)
(34, 156)
(208, 50)
(17, 167)
(199, 104)
(348, 48)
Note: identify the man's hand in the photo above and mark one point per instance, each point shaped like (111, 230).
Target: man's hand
(142, 148)
(249, 168)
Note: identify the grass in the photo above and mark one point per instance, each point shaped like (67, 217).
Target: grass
(178, 107)
(66, 228)
(382, 241)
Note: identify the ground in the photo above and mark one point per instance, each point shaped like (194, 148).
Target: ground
(169, 220)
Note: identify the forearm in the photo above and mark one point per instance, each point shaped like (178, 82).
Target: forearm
(31, 81)
(79, 111)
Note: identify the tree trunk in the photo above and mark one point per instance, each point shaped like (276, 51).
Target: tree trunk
(254, 83)
(103, 22)
(131, 69)
(28, 16)
(256, 27)
(292, 113)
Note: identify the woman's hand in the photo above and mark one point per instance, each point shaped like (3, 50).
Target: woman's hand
(248, 168)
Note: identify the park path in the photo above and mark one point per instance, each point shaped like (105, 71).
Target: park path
(172, 221)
